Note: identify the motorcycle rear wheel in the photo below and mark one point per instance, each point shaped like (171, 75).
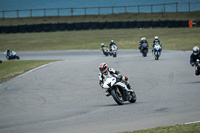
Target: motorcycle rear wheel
(134, 98)
(18, 57)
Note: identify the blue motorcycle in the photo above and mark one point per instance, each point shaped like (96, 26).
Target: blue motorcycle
(157, 51)
(11, 55)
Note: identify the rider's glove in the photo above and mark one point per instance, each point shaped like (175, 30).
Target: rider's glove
(119, 76)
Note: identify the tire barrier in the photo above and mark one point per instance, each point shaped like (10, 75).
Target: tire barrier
(54, 27)
(155, 24)
(171, 23)
(70, 26)
(109, 25)
(86, 26)
(93, 25)
(102, 25)
(14, 29)
(62, 26)
(78, 26)
(163, 23)
(140, 24)
(30, 28)
(116, 25)
(22, 28)
(38, 28)
(46, 27)
(184, 23)
(147, 24)
(132, 24)
(1, 29)
(124, 24)
(177, 23)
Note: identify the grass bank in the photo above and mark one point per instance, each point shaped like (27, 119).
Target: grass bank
(172, 38)
(10, 69)
(190, 128)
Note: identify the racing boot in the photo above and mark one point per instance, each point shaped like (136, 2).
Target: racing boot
(107, 93)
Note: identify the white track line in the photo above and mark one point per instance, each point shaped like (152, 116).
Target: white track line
(192, 122)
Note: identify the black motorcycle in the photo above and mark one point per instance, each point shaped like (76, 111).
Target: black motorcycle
(144, 49)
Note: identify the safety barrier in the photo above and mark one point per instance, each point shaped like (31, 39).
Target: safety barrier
(50, 27)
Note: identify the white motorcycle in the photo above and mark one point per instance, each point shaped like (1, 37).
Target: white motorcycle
(119, 90)
(113, 51)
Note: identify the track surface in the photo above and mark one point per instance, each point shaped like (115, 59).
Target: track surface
(65, 96)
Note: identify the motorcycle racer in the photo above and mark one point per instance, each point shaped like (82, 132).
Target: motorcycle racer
(195, 55)
(112, 43)
(105, 70)
(143, 40)
(156, 40)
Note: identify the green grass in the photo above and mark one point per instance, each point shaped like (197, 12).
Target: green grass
(102, 18)
(190, 128)
(172, 38)
(10, 69)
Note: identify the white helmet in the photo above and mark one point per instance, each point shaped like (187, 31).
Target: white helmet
(196, 50)
(102, 44)
(143, 38)
(112, 41)
(156, 37)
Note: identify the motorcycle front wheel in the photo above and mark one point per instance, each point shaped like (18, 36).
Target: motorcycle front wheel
(117, 96)
(115, 54)
(156, 56)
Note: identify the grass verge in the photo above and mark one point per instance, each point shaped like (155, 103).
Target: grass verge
(172, 38)
(10, 69)
(190, 128)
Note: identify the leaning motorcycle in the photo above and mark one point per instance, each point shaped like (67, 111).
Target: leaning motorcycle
(157, 51)
(113, 51)
(144, 49)
(11, 55)
(197, 67)
(119, 90)
(105, 50)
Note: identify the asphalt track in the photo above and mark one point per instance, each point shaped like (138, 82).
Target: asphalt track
(65, 97)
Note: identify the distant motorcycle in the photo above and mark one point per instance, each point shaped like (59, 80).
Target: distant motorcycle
(0, 61)
(144, 49)
(11, 55)
(105, 49)
(197, 67)
(157, 51)
(113, 51)
(119, 90)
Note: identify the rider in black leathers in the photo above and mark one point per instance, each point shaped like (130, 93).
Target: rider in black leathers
(112, 43)
(143, 40)
(193, 58)
(195, 55)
